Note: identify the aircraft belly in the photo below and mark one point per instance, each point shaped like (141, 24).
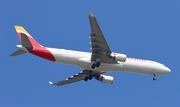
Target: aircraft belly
(86, 64)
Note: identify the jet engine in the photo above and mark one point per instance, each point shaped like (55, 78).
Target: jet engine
(106, 79)
(118, 57)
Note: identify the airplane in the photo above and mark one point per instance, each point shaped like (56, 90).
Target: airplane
(95, 64)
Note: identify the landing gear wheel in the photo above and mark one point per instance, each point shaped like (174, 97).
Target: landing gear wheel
(93, 66)
(154, 78)
(90, 77)
(98, 64)
(86, 78)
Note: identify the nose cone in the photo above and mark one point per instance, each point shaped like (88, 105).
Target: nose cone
(167, 70)
(162, 70)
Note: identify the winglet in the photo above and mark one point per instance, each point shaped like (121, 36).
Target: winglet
(90, 14)
(51, 83)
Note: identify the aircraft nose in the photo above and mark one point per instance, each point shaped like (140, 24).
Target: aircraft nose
(167, 70)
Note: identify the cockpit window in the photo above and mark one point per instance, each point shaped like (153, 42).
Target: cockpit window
(153, 62)
(160, 64)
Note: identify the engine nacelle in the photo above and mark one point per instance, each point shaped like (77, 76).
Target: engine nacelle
(106, 79)
(118, 57)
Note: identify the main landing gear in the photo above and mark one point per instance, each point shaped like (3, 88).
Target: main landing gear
(154, 78)
(96, 64)
(88, 78)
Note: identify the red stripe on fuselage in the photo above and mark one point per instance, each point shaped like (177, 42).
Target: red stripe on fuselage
(42, 52)
(38, 50)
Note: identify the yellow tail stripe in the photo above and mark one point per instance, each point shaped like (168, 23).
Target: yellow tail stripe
(21, 29)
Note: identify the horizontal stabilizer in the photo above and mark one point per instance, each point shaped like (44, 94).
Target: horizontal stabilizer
(18, 52)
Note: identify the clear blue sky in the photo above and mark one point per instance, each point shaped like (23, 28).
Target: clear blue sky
(138, 28)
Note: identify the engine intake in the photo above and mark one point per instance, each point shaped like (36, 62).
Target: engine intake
(106, 79)
(118, 57)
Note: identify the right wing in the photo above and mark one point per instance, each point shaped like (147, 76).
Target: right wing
(75, 78)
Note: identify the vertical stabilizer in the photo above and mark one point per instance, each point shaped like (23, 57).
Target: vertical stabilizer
(26, 39)
(29, 44)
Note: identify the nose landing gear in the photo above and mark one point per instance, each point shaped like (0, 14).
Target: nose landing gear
(154, 78)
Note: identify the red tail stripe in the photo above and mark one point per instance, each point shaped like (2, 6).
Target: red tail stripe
(19, 35)
(32, 40)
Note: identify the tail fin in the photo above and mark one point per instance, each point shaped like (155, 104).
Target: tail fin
(27, 41)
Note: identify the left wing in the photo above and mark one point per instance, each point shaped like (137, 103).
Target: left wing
(75, 78)
(100, 47)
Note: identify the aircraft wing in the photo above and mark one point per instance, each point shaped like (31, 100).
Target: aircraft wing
(75, 78)
(100, 47)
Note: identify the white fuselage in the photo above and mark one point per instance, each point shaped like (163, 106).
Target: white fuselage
(101, 60)
(83, 59)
